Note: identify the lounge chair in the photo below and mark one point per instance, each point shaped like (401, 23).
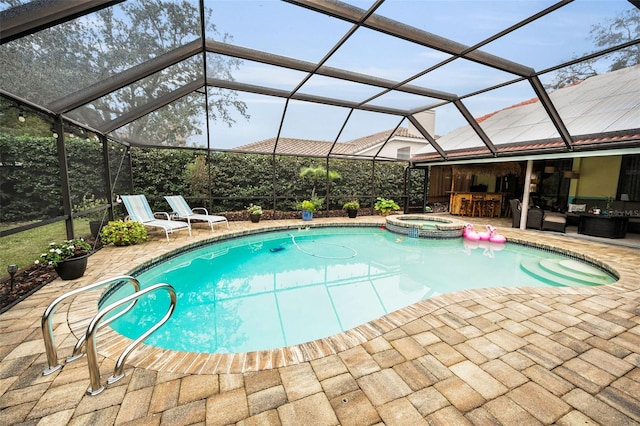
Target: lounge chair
(138, 208)
(182, 210)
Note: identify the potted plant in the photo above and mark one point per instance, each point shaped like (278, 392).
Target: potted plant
(123, 233)
(351, 208)
(96, 218)
(69, 258)
(316, 175)
(255, 213)
(385, 206)
(307, 207)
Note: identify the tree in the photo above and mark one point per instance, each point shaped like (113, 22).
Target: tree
(197, 177)
(616, 31)
(316, 174)
(621, 29)
(83, 52)
(30, 124)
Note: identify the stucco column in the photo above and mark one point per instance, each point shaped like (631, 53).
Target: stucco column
(525, 195)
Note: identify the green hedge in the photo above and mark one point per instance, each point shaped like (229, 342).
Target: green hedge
(230, 182)
(30, 184)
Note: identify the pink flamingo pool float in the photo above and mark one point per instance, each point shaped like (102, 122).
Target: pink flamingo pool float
(494, 237)
(491, 234)
(485, 235)
(469, 233)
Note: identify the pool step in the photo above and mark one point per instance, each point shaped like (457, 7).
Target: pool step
(565, 272)
(583, 268)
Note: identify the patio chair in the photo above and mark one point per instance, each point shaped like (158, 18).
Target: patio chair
(182, 210)
(139, 210)
(534, 215)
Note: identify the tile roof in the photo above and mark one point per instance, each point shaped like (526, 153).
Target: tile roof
(598, 110)
(604, 109)
(558, 144)
(307, 147)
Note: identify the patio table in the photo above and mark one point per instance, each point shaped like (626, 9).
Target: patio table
(600, 225)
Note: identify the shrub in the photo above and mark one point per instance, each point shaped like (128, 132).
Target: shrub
(89, 202)
(385, 206)
(122, 233)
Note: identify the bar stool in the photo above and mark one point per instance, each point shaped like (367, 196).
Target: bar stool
(491, 207)
(477, 205)
(465, 207)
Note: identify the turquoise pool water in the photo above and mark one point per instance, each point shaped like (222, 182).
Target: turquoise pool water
(283, 288)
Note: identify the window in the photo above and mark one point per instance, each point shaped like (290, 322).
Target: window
(629, 180)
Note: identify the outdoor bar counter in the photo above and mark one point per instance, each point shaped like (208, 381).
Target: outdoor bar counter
(480, 204)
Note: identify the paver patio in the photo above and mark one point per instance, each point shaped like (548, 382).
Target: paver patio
(496, 356)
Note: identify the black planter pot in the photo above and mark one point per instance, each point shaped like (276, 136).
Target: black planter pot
(96, 226)
(352, 213)
(73, 268)
(255, 218)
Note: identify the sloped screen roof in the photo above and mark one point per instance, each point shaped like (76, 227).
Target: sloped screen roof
(314, 77)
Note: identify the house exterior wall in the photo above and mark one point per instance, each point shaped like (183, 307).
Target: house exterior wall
(490, 181)
(390, 150)
(598, 177)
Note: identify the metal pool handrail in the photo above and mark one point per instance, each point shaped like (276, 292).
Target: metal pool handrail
(47, 329)
(92, 353)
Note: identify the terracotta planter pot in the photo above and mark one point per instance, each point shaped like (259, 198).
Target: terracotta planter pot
(73, 268)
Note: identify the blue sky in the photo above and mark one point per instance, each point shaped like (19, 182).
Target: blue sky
(279, 28)
(284, 29)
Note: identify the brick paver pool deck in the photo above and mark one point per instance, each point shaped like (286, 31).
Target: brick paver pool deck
(547, 355)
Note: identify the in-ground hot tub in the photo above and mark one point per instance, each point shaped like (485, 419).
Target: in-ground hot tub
(425, 226)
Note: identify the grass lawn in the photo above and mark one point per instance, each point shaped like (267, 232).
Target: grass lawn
(23, 248)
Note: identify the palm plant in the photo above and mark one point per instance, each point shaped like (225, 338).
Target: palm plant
(316, 174)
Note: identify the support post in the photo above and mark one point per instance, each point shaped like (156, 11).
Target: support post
(65, 188)
(107, 173)
(525, 195)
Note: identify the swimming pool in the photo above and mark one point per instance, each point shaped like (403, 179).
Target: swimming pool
(287, 287)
